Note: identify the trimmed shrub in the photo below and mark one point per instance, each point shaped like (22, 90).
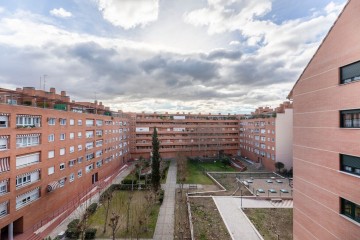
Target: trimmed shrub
(74, 223)
(92, 208)
(129, 181)
(90, 233)
(161, 196)
(72, 233)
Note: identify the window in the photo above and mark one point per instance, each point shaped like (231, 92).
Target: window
(80, 159)
(27, 121)
(27, 140)
(62, 151)
(71, 177)
(89, 122)
(99, 122)
(28, 159)
(27, 198)
(51, 137)
(72, 162)
(62, 121)
(350, 73)
(99, 163)
(350, 164)
(51, 121)
(71, 122)
(89, 168)
(62, 182)
(3, 187)
(350, 209)
(350, 118)
(51, 170)
(62, 136)
(99, 133)
(3, 142)
(71, 149)
(79, 173)
(62, 166)
(4, 120)
(72, 136)
(51, 154)
(79, 147)
(27, 178)
(79, 134)
(79, 122)
(89, 134)
(89, 156)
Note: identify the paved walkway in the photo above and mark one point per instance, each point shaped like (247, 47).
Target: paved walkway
(237, 223)
(81, 209)
(165, 223)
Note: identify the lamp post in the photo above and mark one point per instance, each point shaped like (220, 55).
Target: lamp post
(241, 199)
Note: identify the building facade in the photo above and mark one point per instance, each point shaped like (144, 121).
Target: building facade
(52, 150)
(266, 136)
(192, 134)
(327, 136)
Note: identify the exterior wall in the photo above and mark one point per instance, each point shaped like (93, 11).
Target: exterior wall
(195, 135)
(250, 146)
(48, 202)
(284, 138)
(318, 99)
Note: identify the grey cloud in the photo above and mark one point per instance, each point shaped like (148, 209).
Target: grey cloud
(222, 54)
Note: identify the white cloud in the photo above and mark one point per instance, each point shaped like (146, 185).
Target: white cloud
(129, 13)
(60, 12)
(2, 10)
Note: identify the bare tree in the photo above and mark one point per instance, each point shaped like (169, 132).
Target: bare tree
(105, 200)
(128, 205)
(181, 162)
(114, 224)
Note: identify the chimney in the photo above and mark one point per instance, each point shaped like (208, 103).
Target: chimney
(52, 90)
(63, 93)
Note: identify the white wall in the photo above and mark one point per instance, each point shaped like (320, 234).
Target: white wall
(284, 138)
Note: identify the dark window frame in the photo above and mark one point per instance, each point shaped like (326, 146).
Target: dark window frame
(353, 206)
(346, 161)
(352, 112)
(350, 79)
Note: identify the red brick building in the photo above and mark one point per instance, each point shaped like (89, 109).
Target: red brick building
(192, 134)
(51, 150)
(327, 136)
(266, 136)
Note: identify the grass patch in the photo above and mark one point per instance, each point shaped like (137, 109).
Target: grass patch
(271, 222)
(142, 220)
(196, 175)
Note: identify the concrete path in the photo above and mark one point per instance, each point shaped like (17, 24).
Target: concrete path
(165, 223)
(237, 223)
(257, 203)
(81, 209)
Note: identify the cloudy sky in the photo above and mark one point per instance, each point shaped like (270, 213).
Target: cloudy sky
(219, 56)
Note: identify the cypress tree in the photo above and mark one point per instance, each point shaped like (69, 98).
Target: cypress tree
(155, 166)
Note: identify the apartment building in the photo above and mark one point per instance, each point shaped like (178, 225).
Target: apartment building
(266, 136)
(327, 136)
(52, 149)
(192, 134)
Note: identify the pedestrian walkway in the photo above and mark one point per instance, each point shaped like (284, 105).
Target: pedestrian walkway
(237, 223)
(165, 223)
(80, 210)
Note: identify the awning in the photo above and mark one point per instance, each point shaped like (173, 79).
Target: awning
(4, 165)
(28, 115)
(31, 191)
(28, 135)
(4, 136)
(4, 114)
(28, 173)
(52, 186)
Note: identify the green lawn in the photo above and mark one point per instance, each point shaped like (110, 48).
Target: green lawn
(143, 216)
(196, 175)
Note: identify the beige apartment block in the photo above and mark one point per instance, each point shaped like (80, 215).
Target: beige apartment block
(326, 144)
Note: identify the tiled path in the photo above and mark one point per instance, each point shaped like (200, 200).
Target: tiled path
(237, 223)
(165, 223)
